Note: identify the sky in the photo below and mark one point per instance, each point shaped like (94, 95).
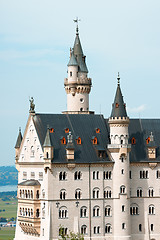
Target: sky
(35, 38)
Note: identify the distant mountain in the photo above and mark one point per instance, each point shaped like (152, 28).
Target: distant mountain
(8, 176)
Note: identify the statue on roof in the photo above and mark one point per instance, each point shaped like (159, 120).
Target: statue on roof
(32, 105)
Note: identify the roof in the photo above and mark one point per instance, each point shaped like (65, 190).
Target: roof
(118, 107)
(47, 141)
(141, 129)
(78, 53)
(82, 125)
(19, 140)
(30, 182)
(72, 61)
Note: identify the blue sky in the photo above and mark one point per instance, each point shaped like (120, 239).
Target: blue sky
(35, 37)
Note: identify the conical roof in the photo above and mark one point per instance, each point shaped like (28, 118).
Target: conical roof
(19, 139)
(47, 141)
(78, 53)
(72, 61)
(118, 107)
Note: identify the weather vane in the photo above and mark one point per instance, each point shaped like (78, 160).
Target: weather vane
(76, 21)
(118, 78)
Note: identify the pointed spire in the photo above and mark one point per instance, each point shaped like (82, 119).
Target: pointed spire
(118, 107)
(72, 61)
(47, 141)
(19, 139)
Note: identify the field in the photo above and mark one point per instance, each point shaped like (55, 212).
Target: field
(10, 208)
(7, 233)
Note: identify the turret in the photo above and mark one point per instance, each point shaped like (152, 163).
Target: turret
(18, 144)
(48, 150)
(77, 85)
(119, 150)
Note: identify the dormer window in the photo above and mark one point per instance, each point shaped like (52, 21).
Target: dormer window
(94, 140)
(51, 130)
(117, 105)
(63, 141)
(67, 130)
(133, 141)
(148, 140)
(97, 130)
(79, 141)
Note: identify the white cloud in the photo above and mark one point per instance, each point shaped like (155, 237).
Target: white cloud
(138, 109)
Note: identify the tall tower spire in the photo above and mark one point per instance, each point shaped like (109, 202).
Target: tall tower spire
(77, 85)
(119, 150)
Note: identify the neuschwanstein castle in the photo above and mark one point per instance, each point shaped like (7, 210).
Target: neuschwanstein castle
(96, 176)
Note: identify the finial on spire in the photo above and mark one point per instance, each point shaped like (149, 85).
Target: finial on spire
(19, 129)
(76, 21)
(118, 79)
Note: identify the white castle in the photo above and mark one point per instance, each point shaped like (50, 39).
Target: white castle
(99, 177)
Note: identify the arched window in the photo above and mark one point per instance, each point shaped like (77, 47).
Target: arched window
(32, 151)
(97, 130)
(26, 195)
(96, 193)
(63, 194)
(79, 142)
(123, 226)
(84, 229)
(122, 189)
(108, 228)
(31, 212)
(37, 194)
(134, 209)
(144, 174)
(95, 175)
(20, 211)
(151, 209)
(150, 192)
(94, 140)
(37, 213)
(31, 194)
(63, 231)
(139, 192)
(107, 192)
(63, 212)
(158, 173)
(63, 141)
(77, 175)
(96, 211)
(83, 212)
(78, 194)
(20, 193)
(107, 211)
(133, 141)
(62, 176)
(107, 175)
(96, 230)
(47, 155)
(140, 227)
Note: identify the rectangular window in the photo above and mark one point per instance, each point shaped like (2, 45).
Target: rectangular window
(70, 74)
(123, 208)
(130, 174)
(140, 227)
(152, 227)
(32, 175)
(40, 176)
(24, 175)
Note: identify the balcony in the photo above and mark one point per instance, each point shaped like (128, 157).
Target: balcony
(82, 81)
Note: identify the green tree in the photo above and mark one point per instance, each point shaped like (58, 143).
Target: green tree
(70, 236)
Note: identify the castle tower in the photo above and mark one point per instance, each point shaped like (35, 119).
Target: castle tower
(77, 85)
(119, 150)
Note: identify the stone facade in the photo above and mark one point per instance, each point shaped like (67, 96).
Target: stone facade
(87, 182)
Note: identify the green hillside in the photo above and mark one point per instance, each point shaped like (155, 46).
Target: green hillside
(8, 176)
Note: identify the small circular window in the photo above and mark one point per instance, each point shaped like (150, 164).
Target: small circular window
(81, 100)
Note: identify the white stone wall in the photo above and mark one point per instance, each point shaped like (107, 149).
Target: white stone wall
(78, 101)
